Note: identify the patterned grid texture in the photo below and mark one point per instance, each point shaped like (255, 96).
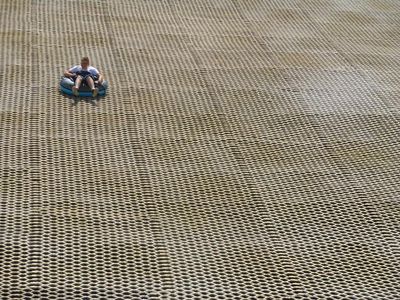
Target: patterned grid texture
(246, 149)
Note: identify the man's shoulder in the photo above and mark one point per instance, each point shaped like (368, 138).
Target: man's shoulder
(75, 67)
(91, 68)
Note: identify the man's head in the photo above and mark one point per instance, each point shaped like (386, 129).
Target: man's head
(85, 62)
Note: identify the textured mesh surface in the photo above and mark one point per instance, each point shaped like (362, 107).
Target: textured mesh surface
(246, 150)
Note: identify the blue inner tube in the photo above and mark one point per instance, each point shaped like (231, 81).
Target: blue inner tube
(66, 85)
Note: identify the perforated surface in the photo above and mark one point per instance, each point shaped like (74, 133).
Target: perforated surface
(246, 150)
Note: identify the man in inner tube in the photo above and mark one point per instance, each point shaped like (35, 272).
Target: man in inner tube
(84, 73)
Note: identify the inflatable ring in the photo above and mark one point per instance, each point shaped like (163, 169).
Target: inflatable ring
(66, 85)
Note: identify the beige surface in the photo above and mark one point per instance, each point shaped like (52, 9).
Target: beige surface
(245, 150)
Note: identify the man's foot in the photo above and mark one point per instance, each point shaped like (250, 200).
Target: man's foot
(75, 91)
(95, 91)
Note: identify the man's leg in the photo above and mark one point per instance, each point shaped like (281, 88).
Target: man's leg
(78, 82)
(90, 82)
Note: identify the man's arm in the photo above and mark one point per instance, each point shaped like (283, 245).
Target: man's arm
(100, 80)
(98, 75)
(70, 72)
(67, 73)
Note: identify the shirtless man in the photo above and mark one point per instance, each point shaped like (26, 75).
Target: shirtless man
(84, 72)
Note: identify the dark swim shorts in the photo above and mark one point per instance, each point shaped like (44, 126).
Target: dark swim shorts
(85, 75)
